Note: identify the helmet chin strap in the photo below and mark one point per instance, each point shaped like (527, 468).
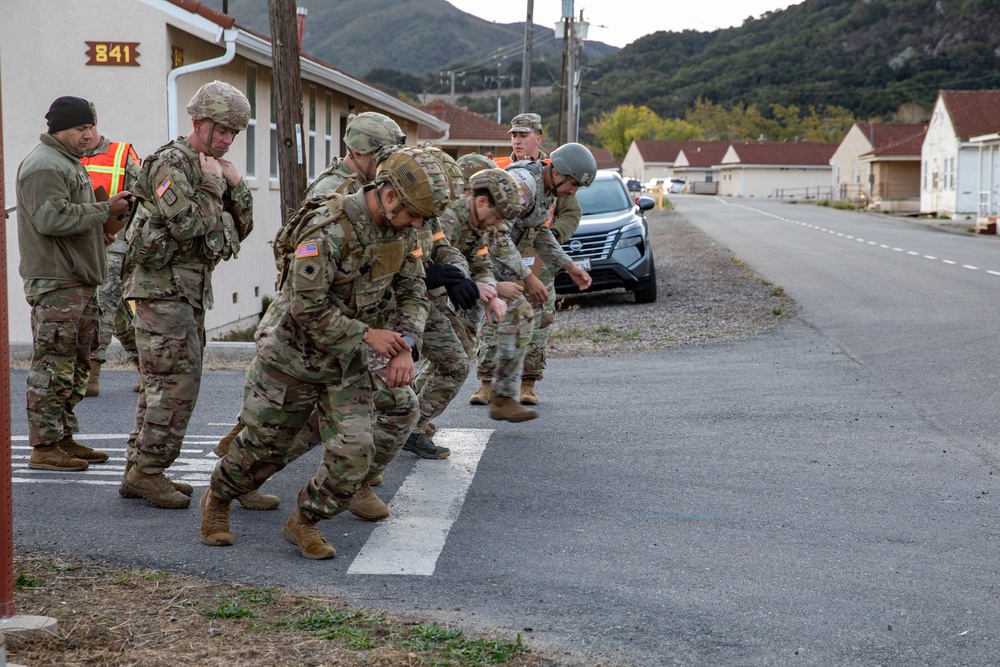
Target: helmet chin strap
(367, 175)
(211, 135)
(388, 215)
(555, 186)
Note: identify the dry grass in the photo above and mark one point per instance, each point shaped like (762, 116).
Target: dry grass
(116, 617)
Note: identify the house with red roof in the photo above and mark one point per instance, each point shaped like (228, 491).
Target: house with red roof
(779, 170)
(696, 165)
(853, 178)
(950, 167)
(467, 131)
(139, 68)
(647, 159)
(894, 175)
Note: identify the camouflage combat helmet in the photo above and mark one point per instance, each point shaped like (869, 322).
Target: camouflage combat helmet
(528, 186)
(222, 103)
(372, 132)
(575, 161)
(418, 178)
(503, 187)
(455, 176)
(473, 162)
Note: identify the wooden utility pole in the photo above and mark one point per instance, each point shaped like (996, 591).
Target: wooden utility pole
(529, 35)
(6, 470)
(287, 83)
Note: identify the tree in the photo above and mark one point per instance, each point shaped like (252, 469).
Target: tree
(617, 130)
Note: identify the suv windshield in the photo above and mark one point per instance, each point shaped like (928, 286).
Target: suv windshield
(603, 196)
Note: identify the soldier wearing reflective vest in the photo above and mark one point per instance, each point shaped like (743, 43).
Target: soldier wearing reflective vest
(114, 166)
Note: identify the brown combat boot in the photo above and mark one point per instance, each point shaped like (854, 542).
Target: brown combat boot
(255, 500)
(528, 395)
(76, 450)
(126, 491)
(94, 382)
(222, 448)
(376, 480)
(482, 395)
(156, 489)
(366, 505)
(215, 521)
(302, 532)
(430, 430)
(504, 408)
(51, 457)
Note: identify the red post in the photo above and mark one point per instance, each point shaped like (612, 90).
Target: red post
(6, 472)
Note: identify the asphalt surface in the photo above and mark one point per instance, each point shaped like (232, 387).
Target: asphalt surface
(820, 494)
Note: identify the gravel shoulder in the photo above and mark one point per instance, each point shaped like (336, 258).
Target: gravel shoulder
(705, 294)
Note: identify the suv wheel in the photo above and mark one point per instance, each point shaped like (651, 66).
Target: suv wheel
(647, 292)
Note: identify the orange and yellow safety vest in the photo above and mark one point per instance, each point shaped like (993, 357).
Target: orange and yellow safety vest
(108, 169)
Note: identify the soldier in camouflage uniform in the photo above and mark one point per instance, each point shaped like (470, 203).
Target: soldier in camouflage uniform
(194, 211)
(352, 284)
(62, 242)
(370, 137)
(572, 166)
(105, 167)
(451, 336)
(564, 219)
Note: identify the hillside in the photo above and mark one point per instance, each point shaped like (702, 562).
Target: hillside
(416, 37)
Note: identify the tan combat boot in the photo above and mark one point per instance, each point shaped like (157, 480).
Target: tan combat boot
(528, 395)
(255, 500)
(156, 489)
(504, 408)
(94, 383)
(482, 395)
(366, 505)
(302, 532)
(50, 457)
(430, 430)
(126, 491)
(76, 450)
(215, 520)
(222, 448)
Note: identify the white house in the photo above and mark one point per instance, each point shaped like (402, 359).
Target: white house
(697, 166)
(139, 62)
(776, 170)
(853, 179)
(988, 212)
(949, 170)
(647, 159)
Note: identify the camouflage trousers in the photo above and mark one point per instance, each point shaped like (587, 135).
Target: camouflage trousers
(448, 349)
(170, 336)
(116, 316)
(361, 424)
(545, 314)
(64, 325)
(502, 348)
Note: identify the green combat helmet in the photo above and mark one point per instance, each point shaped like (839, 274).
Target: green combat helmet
(503, 188)
(575, 161)
(418, 178)
(222, 103)
(373, 133)
(528, 187)
(455, 176)
(473, 162)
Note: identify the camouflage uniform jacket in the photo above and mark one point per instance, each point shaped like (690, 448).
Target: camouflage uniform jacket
(339, 283)
(472, 243)
(131, 174)
(435, 248)
(187, 222)
(331, 178)
(60, 230)
(531, 229)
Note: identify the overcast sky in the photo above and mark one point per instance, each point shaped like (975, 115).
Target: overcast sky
(621, 22)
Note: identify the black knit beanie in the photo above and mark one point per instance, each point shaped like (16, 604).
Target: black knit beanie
(67, 112)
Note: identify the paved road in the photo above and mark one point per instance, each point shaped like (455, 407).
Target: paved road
(821, 494)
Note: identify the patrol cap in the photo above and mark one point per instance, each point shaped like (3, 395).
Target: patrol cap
(525, 122)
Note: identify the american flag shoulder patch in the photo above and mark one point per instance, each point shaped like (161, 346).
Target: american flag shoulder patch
(307, 249)
(163, 187)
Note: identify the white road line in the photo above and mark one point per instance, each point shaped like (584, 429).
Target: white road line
(969, 266)
(948, 261)
(424, 509)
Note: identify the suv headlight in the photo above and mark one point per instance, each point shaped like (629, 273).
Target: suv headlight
(632, 239)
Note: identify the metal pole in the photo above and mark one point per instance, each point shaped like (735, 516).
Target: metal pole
(6, 470)
(562, 85)
(571, 76)
(529, 33)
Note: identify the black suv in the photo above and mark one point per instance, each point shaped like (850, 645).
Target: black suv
(612, 242)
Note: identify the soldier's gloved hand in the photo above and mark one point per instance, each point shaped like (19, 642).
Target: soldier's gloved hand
(443, 275)
(464, 294)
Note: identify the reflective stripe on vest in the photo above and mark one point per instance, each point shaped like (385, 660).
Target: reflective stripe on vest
(108, 169)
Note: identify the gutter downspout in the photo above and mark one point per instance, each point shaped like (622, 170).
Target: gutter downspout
(230, 38)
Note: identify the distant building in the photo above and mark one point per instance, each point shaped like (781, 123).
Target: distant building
(467, 131)
(949, 172)
(696, 165)
(139, 62)
(605, 160)
(776, 170)
(853, 179)
(894, 182)
(647, 159)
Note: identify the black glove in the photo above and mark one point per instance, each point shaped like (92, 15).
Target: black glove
(464, 294)
(442, 275)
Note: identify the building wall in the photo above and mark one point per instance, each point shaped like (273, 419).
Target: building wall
(939, 159)
(769, 182)
(633, 165)
(848, 175)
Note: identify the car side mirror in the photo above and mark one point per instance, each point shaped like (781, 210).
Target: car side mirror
(645, 203)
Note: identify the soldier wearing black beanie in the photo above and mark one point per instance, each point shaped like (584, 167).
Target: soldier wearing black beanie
(67, 112)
